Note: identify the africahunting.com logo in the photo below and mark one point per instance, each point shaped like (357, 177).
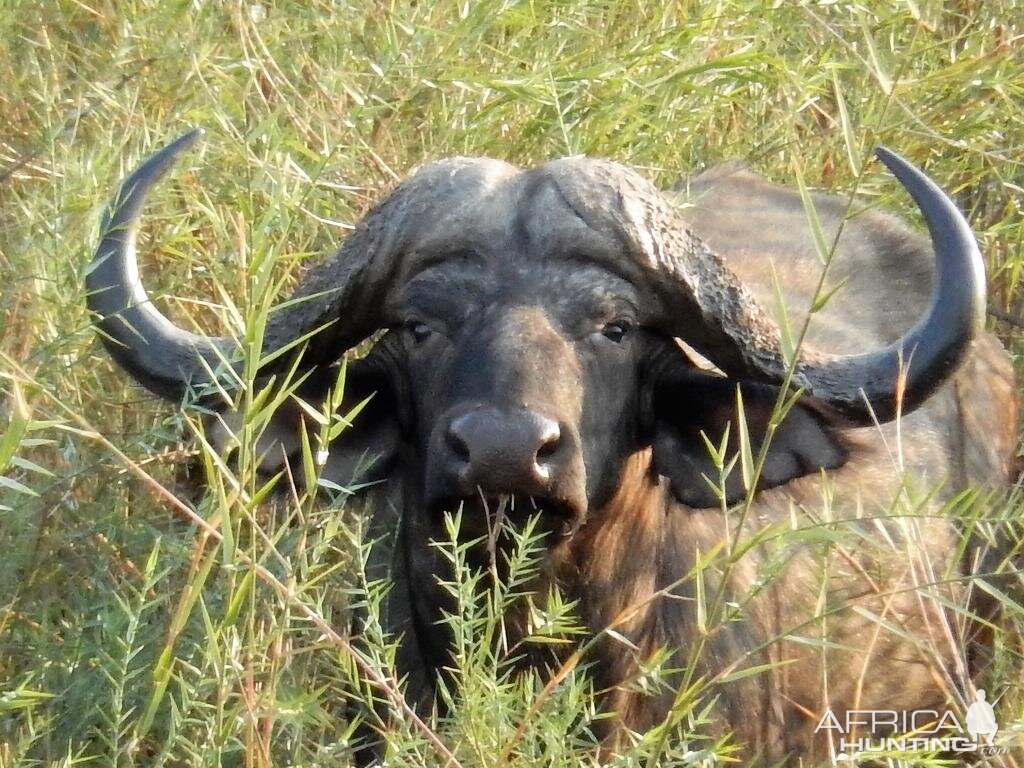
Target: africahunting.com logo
(859, 731)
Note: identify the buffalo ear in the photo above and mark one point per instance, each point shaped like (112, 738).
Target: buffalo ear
(362, 453)
(687, 403)
(365, 451)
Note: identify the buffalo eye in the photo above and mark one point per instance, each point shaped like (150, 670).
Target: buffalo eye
(616, 331)
(419, 331)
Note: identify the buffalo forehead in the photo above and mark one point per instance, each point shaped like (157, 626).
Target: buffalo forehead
(459, 203)
(490, 207)
(493, 232)
(554, 223)
(574, 294)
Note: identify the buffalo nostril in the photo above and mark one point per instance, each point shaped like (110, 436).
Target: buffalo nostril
(550, 441)
(457, 445)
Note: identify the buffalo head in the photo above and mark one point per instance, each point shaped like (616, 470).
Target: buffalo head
(529, 320)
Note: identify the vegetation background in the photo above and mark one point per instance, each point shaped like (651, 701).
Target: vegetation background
(131, 634)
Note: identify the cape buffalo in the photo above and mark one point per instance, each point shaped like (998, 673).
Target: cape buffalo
(528, 359)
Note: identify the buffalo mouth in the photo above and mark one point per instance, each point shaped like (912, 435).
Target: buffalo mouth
(486, 514)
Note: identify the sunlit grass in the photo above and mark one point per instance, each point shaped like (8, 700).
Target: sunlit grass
(130, 633)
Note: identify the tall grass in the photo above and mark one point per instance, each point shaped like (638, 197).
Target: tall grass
(145, 622)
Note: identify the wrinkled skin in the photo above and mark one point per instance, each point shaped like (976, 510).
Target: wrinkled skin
(523, 358)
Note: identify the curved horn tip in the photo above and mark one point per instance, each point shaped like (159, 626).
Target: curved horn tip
(902, 168)
(126, 206)
(188, 138)
(886, 155)
(945, 221)
(898, 165)
(912, 177)
(161, 160)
